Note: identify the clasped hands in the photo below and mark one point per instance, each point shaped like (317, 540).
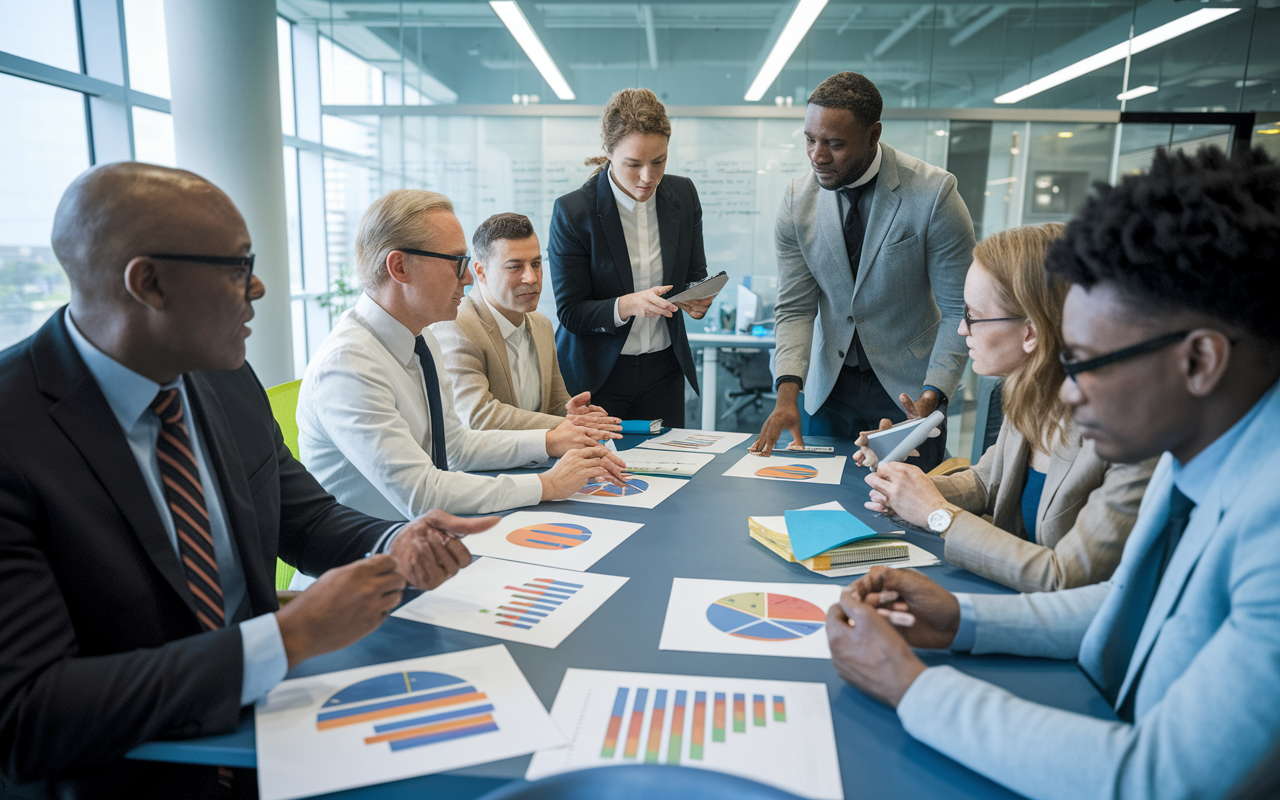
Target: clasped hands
(879, 619)
(348, 602)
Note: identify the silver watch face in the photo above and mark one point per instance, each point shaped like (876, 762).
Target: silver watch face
(939, 521)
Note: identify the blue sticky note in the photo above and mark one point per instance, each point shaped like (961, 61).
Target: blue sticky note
(819, 530)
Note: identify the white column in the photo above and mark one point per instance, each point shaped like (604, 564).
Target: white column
(224, 74)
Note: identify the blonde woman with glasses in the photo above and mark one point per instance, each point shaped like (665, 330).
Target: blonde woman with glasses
(1040, 511)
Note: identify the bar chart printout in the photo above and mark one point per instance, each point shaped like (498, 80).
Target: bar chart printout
(776, 732)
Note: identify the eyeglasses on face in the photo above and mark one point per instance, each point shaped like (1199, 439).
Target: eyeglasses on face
(969, 321)
(1074, 368)
(462, 261)
(229, 261)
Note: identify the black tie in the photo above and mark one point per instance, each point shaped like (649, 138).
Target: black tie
(431, 381)
(853, 231)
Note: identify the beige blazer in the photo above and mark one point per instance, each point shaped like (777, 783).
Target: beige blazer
(475, 356)
(1086, 512)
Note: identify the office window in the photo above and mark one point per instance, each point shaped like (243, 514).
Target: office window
(284, 47)
(293, 220)
(153, 137)
(147, 46)
(37, 160)
(345, 79)
(349, 189)
(42, 31)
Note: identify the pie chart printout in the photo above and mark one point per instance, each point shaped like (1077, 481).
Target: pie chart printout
(765, 617)
(792, 472)
(410, 709)
(550, 536)
(633, 486)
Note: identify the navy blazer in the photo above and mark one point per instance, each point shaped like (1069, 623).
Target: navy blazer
(590, 268)
(98, 633)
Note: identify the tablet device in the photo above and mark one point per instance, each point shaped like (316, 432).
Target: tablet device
(701, 290)
(896, 443)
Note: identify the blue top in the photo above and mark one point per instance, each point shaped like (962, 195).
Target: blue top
(1031, 501)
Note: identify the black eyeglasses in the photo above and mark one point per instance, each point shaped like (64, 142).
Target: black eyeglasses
(1074, 368)
(462, 261)
(969, 321)
(229, 261)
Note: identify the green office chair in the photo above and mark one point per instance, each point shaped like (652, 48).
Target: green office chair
(284, 407)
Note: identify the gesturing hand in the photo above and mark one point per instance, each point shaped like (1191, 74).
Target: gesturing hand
(342, 607)
(935, 612)
(429, 550)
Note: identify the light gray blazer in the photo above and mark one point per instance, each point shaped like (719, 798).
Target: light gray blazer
(907, 298)
(475, 356)
(1207, 704)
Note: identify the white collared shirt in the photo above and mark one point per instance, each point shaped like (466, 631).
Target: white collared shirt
(644, 248)
(526, 375)
(871, 172)
(364, 428)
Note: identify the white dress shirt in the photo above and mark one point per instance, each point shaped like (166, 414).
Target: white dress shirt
(526, 376)
(130, 396)
(644, 248)
(364, 428)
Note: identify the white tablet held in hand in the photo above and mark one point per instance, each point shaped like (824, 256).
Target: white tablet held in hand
(896, 443)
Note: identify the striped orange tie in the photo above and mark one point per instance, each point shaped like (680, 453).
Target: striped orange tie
(185, 495)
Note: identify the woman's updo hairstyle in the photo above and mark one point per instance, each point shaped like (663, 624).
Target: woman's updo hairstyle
(629, 111)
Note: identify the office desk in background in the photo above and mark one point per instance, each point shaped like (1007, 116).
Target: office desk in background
(711, 344)
(700, 532)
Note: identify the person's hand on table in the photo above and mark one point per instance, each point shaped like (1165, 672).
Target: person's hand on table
(429, 551)
(785, 416)
(569, 435)
(646, 303)
(932, 614)
(579, 467)
(342, 607)
(905, 492)
(696, 308)
(868, 651)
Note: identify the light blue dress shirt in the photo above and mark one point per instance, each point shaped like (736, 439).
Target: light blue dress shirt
(1193, 480)
(130, 395)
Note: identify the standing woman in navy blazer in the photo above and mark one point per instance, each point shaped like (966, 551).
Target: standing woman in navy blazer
(627, 237)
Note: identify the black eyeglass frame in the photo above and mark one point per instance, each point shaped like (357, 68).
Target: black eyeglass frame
(226, 261)
(1074, 368)
(969, 321)
(462, 260)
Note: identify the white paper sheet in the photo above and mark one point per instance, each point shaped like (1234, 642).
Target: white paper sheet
(775, 732)
(551, 539)
(752, 618)
(387, 722)
(691, 440)
(796, 469)
(678, 464)
(643, 491)
(519, 602)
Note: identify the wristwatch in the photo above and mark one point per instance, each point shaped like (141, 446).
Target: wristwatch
(940, 520)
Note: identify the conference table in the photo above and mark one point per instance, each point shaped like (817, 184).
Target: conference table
(700, 532)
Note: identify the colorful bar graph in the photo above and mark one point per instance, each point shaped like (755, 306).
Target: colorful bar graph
(739, 713)
(757, 709)
(637, 719)
(655, 726)
(676, 739)
(779, 708)
(532, 602)
(717, 721)
(615, 723)
(699, 725)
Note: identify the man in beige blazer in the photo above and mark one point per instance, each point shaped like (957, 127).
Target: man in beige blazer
(500, 353)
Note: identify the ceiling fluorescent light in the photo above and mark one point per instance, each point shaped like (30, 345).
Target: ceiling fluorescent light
(1138, 91)
(1153, 37)
(801, 20)
(523, 32)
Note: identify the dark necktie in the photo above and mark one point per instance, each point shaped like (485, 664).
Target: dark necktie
(853, 230)
(431, 381)
(185, 496)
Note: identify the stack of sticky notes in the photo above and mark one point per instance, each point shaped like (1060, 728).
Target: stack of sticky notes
(826, 538)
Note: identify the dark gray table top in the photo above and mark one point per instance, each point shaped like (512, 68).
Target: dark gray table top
(701, 532)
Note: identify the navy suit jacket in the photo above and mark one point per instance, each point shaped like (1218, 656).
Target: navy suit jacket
(590, 268)
(99, 641)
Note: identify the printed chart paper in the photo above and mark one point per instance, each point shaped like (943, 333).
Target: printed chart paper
(775, 732)
(665, 462)
(797, 469)
(359, 727)
(507, 600)
(690, 440)
(752, 618)
(641, 491)
(552, 539)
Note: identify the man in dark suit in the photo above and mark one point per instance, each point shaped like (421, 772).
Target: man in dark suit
(145, 492)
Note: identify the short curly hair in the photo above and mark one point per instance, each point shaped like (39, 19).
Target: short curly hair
(1198, 233)
(853, 92)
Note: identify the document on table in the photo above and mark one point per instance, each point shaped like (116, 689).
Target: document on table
(795, 468)
(641, 461)
(552, 539)
(695, 441)
(817, 530)
(520, 602)
(753, 618)
(639, 492)
(387, 722)
(774, 732)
